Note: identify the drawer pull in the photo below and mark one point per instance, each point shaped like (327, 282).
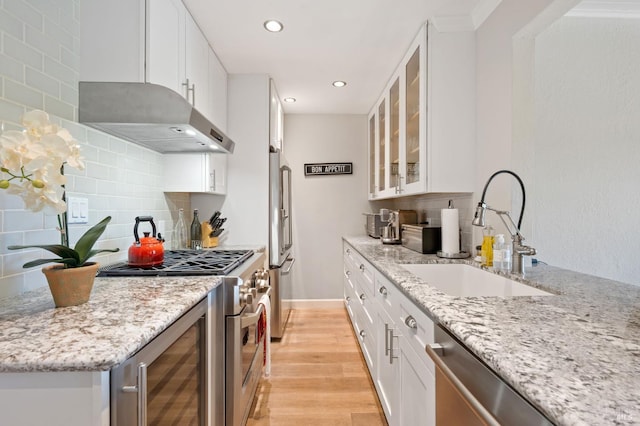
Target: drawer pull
(348, 273)
(362, 267)
(363, 297)
(348, 251)
(363, 334)
(382, 290)
(411, 322)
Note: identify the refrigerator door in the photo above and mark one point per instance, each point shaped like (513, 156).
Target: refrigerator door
(280, 233)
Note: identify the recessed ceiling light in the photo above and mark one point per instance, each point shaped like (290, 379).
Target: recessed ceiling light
(289, 100)
(273, 26)
(339, 83)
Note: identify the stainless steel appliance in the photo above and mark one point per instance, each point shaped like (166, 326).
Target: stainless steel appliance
(213, 351)
(374, 225)
(280, 239)
(469, 393)
(166, 382)
(392, 233)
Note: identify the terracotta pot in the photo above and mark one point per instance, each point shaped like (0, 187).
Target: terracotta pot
(70, 286)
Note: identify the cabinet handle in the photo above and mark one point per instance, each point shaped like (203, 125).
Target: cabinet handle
(214, 179)
(348, 273)
(141, 389)
(363, 334)
(348, 251)
(362, 267)
(363, 297)
(391, 337)
(382, 290)
(386, 339)
(348, 299)
(191, 89)
(411, 322)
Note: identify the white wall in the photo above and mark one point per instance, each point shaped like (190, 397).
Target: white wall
(39, 57)
(325, 207)
(587, 126)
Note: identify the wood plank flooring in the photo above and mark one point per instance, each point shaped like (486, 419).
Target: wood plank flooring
(318, 376)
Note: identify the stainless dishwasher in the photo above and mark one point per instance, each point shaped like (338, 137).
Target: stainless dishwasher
(469, 393)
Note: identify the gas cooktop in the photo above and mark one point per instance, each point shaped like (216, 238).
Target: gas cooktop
(183, 263)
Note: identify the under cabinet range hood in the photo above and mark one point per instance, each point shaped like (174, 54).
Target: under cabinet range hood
(149, 115)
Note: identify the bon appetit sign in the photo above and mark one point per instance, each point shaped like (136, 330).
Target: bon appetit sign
(321, 169)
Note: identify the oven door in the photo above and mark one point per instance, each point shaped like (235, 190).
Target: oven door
(244, 361)
(165, 383)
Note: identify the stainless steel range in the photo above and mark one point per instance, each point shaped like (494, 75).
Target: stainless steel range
(235, 333)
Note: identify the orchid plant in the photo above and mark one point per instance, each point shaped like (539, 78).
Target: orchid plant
(32, 166)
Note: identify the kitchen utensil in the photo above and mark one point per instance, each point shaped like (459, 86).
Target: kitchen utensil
(147, 251)
(217, 232)
(214, 217)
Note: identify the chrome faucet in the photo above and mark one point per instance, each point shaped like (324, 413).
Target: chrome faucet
(519, 249)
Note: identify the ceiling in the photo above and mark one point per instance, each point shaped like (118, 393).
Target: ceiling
(358, 41)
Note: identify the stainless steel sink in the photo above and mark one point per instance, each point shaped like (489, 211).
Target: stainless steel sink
(461, 280)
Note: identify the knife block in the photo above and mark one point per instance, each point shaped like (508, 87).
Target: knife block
(207, 241)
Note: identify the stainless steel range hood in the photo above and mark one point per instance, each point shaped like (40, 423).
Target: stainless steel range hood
(149, 115)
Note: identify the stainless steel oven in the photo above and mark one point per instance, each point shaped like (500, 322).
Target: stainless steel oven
(246, 339)
(165, 383)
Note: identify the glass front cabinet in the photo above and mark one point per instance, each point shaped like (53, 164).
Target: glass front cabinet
(422, 128)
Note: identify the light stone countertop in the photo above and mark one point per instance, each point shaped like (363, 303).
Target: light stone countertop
(122, 315)
(575, 355)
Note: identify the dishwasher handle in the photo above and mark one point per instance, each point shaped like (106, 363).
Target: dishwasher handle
(436, 352)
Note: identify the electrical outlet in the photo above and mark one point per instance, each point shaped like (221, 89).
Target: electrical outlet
(77, 210)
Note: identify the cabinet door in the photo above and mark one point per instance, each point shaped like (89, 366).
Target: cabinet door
(373, 164)
(197, 67)
(382, 147)
(387, 367)
(276, 118)
(396, 172)
(166, 43)
(217, 91)
(199, 172)
(417, 389)
(415, 119)
(218, 173)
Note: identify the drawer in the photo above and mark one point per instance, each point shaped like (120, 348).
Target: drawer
(417, 329)
(363, 269)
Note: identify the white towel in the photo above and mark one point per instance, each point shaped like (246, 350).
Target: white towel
(266, 302)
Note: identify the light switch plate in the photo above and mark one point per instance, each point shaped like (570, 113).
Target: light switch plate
(77, 210)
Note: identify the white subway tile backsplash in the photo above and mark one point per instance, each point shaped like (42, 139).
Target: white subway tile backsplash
(21, 220)
(12, 285)
(59, 108)
(61, 72)
(42, 82)
(47, 45)
(22, 94)
(62, 35)
(108, 158)
(98, 139)
(48, 9)
(11, 25)
(24, 12)
(10, 238)
(22, 52)
(11, 68)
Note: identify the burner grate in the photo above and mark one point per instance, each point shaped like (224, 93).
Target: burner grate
(183, 263)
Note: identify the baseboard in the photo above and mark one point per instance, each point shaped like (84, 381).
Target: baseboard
(313, 303)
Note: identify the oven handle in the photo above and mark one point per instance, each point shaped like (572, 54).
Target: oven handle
(436, 352)
(250, 319)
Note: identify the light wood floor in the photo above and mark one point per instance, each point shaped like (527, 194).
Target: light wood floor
(318, 376)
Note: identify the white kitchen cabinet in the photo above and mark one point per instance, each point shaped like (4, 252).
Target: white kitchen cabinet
(421, 130)
(152, 41)
(195, 172)
(402, 372)
(217, 91)
(276, 118)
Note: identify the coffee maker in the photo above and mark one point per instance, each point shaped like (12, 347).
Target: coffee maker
(395, 219)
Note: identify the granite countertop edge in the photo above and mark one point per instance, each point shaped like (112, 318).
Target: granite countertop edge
(122, 315)
(575, 355)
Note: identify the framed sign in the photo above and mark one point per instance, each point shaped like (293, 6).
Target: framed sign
(323, 169)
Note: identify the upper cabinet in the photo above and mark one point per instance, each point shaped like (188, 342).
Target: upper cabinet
(195, 172)
(276, 118)
(153, 41)
(421, 130)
